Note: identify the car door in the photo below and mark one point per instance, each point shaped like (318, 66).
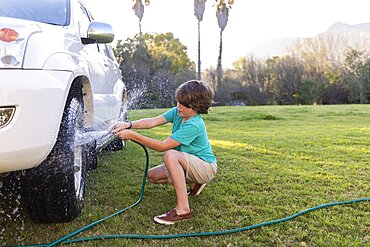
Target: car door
(112, 73)
(110, 103)
(103, 73)
(91, 53)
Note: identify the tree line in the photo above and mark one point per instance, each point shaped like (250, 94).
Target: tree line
(152, 67)
(322, 70)
(315, 71)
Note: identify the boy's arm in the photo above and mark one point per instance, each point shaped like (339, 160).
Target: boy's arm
(145, 123)
(148, 123)
(154, 144)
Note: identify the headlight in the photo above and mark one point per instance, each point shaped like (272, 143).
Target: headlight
(6, 115)
(12, 48)
(13, 40)
(8, 35)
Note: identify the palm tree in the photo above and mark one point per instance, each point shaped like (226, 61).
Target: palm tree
(199, 6)
(222, 13)
(138, 7)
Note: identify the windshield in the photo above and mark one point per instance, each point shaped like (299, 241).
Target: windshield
(47, 11)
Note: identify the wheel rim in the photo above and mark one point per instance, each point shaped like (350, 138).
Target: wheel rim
(78, 149)
(77, 167)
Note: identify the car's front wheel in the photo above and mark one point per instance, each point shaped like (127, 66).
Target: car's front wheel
(54, 191)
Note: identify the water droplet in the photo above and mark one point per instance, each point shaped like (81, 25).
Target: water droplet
(15, 210)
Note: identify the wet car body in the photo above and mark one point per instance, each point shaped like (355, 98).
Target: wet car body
(58, 79)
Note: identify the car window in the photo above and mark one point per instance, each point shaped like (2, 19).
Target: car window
(83, 20)
(54, 12)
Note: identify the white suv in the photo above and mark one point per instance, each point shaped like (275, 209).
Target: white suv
(58, 79)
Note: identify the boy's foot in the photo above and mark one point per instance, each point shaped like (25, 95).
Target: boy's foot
(171, 217)
(196, 189)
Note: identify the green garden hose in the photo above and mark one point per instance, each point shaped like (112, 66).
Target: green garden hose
(66, 239)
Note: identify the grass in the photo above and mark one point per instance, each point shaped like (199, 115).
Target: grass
(273, 161)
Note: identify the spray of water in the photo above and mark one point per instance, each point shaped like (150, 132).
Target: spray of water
(136, 96)
(100, 133)
(11, 208)
(86, 136)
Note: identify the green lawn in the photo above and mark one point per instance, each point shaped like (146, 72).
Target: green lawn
(273, 161)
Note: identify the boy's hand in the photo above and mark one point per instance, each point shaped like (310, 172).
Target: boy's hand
(123, 134)
(120, 126)
(120, 130)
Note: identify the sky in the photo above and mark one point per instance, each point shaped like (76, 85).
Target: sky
(251, 22)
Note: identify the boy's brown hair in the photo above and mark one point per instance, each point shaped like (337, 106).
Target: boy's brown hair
(196, 95)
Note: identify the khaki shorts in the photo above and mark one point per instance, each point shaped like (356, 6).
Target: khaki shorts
(198, 171)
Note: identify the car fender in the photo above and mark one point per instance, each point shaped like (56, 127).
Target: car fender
(119, 89)
(68, 62)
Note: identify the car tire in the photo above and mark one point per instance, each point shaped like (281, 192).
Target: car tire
(91, 155)
(115, 145)
(54, 191)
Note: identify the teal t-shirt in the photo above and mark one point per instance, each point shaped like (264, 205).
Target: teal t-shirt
(191, 134)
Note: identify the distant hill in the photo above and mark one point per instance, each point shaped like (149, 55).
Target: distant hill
(357, 35)
(357, 29)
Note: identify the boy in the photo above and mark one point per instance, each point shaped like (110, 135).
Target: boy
(188, 156)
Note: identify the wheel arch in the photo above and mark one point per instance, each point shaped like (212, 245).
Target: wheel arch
(83, 82)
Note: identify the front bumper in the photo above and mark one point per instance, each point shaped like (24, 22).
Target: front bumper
(39, 97)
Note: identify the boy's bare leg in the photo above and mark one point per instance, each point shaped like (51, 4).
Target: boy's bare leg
(156, 175)
(176, 164)
(191, 185)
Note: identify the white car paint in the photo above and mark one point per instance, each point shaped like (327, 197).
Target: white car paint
(51, 57)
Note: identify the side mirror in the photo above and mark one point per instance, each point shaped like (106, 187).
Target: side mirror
(100, 32)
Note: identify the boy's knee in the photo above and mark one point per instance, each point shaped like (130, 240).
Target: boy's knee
(169, 154)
